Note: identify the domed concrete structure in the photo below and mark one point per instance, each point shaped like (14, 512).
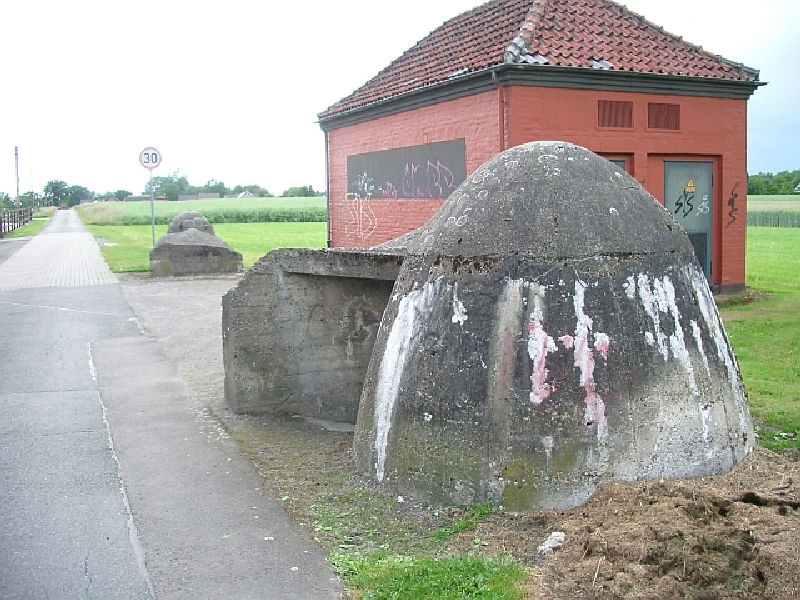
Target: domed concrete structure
(190, 219)
(550, 331)
(190, 247)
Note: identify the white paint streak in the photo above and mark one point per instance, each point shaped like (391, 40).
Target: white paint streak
(584, 359)
(654, 302)
(539, 345)
(630, 287)
(711, 316)
(459, 313)
(698, 340)
(676, 341)
(602, 343)
(414, 310)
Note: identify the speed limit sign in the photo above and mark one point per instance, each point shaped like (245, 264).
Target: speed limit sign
(150, 158)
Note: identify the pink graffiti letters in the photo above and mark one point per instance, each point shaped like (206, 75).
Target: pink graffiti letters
(431, 180)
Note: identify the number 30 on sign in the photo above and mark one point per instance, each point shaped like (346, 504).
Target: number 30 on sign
(150, 158)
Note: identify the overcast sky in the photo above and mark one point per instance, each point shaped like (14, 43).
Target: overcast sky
(230, 90)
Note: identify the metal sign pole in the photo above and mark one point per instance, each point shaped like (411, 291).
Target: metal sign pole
(152, 214)
(150, 158)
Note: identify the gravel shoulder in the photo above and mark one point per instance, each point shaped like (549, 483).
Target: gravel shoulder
(734, 536)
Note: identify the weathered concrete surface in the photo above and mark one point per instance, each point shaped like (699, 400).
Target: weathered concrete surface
(298, 331)
(550, 330)
(193, 252)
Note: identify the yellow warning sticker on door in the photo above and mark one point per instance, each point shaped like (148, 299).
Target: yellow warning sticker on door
(689, 186)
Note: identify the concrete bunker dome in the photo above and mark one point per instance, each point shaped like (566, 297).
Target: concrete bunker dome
(548, 200)
(550, 330)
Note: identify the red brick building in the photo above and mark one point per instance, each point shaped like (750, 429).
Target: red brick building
(589, 72)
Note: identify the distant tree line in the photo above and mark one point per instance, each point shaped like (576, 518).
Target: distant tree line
(305, 191)
(767, 184)
(173, 185)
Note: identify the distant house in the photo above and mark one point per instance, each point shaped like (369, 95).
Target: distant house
(590, 72)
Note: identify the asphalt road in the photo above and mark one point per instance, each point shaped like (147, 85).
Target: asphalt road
(116, 483)
(64, 526)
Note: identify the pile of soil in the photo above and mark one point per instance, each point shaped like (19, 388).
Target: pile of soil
(733, 536)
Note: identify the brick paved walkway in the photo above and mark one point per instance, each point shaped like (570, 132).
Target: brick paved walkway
(63, 254)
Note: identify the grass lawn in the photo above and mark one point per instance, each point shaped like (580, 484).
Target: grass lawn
(129, 248)
(766, 334)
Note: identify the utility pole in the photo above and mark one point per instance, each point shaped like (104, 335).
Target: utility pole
(16, 170)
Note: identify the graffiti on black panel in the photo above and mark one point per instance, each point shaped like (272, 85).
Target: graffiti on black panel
(362, 222)
(388, 190)
(427, 180)
(432, 170)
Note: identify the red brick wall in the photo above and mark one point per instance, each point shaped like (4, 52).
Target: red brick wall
(363, 223)
(710, 129)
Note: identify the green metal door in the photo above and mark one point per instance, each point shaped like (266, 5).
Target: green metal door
(688, 195)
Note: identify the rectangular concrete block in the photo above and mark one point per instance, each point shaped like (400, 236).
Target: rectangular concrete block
(298, 331)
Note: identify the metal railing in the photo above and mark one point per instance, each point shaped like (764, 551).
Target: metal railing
(14, 218)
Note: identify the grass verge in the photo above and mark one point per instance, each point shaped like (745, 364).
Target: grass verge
(381, 575)
(33, 228)
(382, 547)
(766, 336)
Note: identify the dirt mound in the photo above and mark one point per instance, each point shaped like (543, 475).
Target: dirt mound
(734, 536)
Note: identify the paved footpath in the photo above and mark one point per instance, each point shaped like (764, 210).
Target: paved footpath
(116, 483)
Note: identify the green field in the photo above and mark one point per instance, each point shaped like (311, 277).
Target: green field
(217, 210)
(766, 334)
(127, 247)
(773, 211)
(773, 203)
(252, 226)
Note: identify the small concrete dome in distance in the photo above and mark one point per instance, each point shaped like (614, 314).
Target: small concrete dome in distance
(550, 331)
(190, 219)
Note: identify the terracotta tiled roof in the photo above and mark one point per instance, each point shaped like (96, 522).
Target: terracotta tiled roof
(592, 34)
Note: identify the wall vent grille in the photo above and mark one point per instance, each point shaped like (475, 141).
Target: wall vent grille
(664, 116)
(614, 113)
